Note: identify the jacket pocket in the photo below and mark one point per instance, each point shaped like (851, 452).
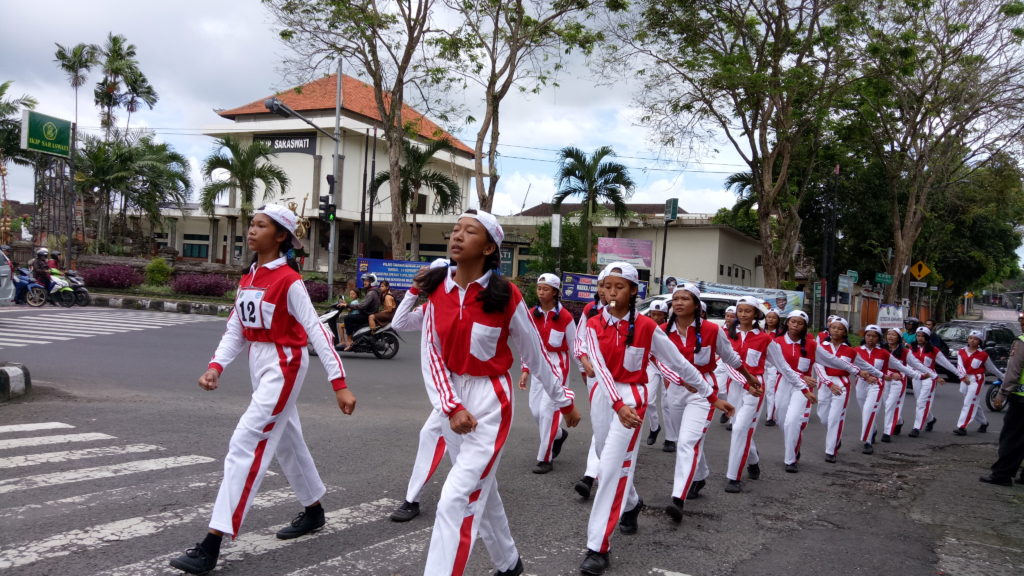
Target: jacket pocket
(633, 359)
(702, 358)
(484, 341)
(804, 364)
(268, 313)
(975, 363)
(753, 358)
(555, 338)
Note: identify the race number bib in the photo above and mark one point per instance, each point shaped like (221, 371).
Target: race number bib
(249, 306)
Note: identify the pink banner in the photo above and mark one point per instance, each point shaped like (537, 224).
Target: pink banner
(639, 253)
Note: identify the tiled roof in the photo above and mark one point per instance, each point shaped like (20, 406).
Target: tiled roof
(546, 209)
(357, 97)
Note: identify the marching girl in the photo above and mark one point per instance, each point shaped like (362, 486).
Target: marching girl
(773, 325)
(274, 319)
(722, 374)
(824, 336)
(619, 345)
(688, 414)
(557, 331)
(599, 404)
(757, 349)
(924, 386)
(869, 394)
(656, 383)
(972, 363)
(470, 316)
(896, 391)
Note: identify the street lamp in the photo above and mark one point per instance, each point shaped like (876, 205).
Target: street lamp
(278, 107)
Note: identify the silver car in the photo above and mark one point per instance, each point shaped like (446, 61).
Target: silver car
(6, 281)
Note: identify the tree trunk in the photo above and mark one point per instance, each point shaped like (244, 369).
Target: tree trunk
(590, 230)
(415, 231)
(478, 162)
(394, 137)
(492, 154)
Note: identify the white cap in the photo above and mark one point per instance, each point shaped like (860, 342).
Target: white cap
(798, 314)
(873, 328)
(489, 222)
(924, 330)
(840, 320)
(549, 279)
(773, 311)
(704, 307)
(284, 217)
(691, 288)
(730, 310)
(440, 262)
(977, 334)
(626, 271)
(752, 301)
(603, 273)
(659, 306)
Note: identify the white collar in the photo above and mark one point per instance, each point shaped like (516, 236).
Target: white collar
(788, 339)
(609, 319)
(273, 264)
(449, 282)
(674, 327)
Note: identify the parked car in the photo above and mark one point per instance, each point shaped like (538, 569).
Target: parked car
(997, 341)
(6, 280)
(716, 303)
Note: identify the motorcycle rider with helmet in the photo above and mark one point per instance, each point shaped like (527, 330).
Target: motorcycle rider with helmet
(41, 268)
(360, 312)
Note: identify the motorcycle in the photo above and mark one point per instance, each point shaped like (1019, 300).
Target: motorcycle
(27, 290)
(61, 291)
(990, 396)
(382, 343)
(82, 297)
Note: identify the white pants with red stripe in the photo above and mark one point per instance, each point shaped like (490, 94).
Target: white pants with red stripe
(796, 414)
(600, 415)
(548, 419)
(269, 427)
(429, 453)
(869, 396)
(470, 504)
(742, 449)
(972, 410)
(832, 411)
(734, 393)
(924, 392)
(694, 414)
(618, 448)
(771, 390)
(656, 389)
(895, 394)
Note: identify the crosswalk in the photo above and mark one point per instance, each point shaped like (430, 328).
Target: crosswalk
(47, 326)
(87, 494)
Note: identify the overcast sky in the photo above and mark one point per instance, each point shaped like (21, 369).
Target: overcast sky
(221, 54)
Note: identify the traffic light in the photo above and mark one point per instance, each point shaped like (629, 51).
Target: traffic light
(326, 209)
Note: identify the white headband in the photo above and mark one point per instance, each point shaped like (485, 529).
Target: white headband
(489, 222)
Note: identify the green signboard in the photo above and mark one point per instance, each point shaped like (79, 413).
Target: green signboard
(46, 134)
(671, 209)
(882, 278)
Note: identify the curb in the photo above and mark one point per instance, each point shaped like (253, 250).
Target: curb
(14, 381)
(130, 303)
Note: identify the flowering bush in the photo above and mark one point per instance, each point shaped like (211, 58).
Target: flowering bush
(202, 284)
(112, 276)
(317, 290)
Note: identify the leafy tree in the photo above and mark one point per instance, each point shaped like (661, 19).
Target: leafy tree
(10, 126)
(77, 61)
(415, 175)
(594, 179)
(570, 258)
(738, 217)
(121, 79)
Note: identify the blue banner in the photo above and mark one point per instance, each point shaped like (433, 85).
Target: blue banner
(581, 287)
(398, 273)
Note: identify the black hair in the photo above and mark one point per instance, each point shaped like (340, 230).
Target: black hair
(632, 316)
(928, 348)
(696, 321)
(495, 297)
(287, 247)
(898, 350)
(538, 313)
(733, 334)
(802, 338)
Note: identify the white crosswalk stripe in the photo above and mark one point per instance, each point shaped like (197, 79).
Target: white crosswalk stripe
(33, 427)
(58, 439)
(69, 455)
(49, 326)
(98, 472)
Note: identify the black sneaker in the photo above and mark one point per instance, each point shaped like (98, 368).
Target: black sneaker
(675, 510)
(899, 429)
(195, 561)
(830, 458)
(983, 428)
(868, 448)
(513, 571)
(770, 422)
(754, 471)
(303, 524)
(990, 479)
(628, 523)
(724, 418)
(406, 511)
(914, 433)
(543, 468)
(931, 424)
(732, 486)
(886, 438)
(594, 564)
(584, 486)
(791, 468)
(695, 489)
(652, 436)
(960, 431)
(556, 448)
(668, 446)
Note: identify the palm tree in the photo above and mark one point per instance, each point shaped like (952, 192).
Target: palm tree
(161, 177)
(10, 126)
(118, 64)
(76, 62)
(138, 91)
(594, 180)
(246, 166)
(414, 176)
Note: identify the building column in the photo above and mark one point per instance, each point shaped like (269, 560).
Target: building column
(214, 240)
(232, 225)
(172, 234)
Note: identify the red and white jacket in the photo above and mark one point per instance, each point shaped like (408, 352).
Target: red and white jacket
(273, 306)
(557, 330)
(714, 344)
(581, 332)
(910, 360)
(817, 359)
(757, 349)
(615, 362)
(931, 360)
(975, 364)
(460, 338)
(880, 359)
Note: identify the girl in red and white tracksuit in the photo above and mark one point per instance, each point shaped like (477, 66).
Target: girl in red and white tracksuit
(972, 363)
(924, 385)
(656, 383)
(274, 320)
(688, 414)
(896, 389)
(774, 413)
(869, 392)
(557, 330)
(471, 316)
(620, 344)
(599, 404)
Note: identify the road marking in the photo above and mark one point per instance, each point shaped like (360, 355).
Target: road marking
(38, 334)
(263, 541)
(69, 324)
(68, 455)
(380, 558)
(33, 427)
(663, 572)
(17, 344)
(59, 439)
(118, 531)
(57, 478)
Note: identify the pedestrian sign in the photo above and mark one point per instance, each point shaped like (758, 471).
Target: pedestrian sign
(920, 270)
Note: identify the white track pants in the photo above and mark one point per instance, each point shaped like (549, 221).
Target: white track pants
(656, 389)
(470, 504)
(618, 448)
(734, 394)
(869, 396)
(771, 390)
(742, 449)
(895, 395)
(547, 416)
(695, 417)
(924, 391)
(797, 413)
(269, 427)
(832, 411)
(973, 393)
(600, 415)
(429, 453)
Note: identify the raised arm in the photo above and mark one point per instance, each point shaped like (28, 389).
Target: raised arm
(776, 359)
(408, 316)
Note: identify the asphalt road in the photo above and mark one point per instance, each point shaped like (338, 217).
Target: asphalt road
(136, 489)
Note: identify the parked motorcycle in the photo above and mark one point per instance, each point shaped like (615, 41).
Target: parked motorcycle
(82, 297)
(27, 290)
(61, 292)
(382, 343)
(990, 395)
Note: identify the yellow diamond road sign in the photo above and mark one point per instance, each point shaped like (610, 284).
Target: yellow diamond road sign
(920, 270)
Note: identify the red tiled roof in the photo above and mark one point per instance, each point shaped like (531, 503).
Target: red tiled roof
(357, 97)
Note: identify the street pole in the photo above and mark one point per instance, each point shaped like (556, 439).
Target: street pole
(664, 246)
(339, 171)
(71, 199)
(361, 240)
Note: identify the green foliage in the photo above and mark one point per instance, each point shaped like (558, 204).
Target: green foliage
(158, 272)
(573, 251)
(10, 126)
(744, 220)
(247, 167)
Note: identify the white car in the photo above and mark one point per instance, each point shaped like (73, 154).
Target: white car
(716, 303)
(6, 281)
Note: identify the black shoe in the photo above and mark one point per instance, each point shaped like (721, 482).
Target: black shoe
(791, 468)
(695, 489)
(732, 486)
(668, 446)
(652, 436)
(543, 468)
(830, 458)
(675, 510)
(514, 571)
(886, 438)
(305, 523)
(914, 433)
(556, 448)
(584, 486)
(195, 561)
(770, 422)
(874, 434)
(931, 424)
(983, 428)
(990, 479)
(754, 471)
(960, 431)
(594, 564)
(628, 523)
(899, 429)
(868, 448)
(406, 511)
(729, 426)
(723, 419)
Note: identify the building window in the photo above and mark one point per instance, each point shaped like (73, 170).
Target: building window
(744, 277)
(195, 250)
(199, 237)
(730, 271)
(721, 270)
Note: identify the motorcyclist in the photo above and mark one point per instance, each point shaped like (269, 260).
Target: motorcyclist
(359, 317)
(910, 333)
(54, 260)
(41, 268)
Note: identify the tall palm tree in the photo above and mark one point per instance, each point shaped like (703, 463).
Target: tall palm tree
(138, 91)
(76, 62)
(414, 176)
(247, 166)
(10, 126)
(161, 177)
(118, 62)
(593, 179)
